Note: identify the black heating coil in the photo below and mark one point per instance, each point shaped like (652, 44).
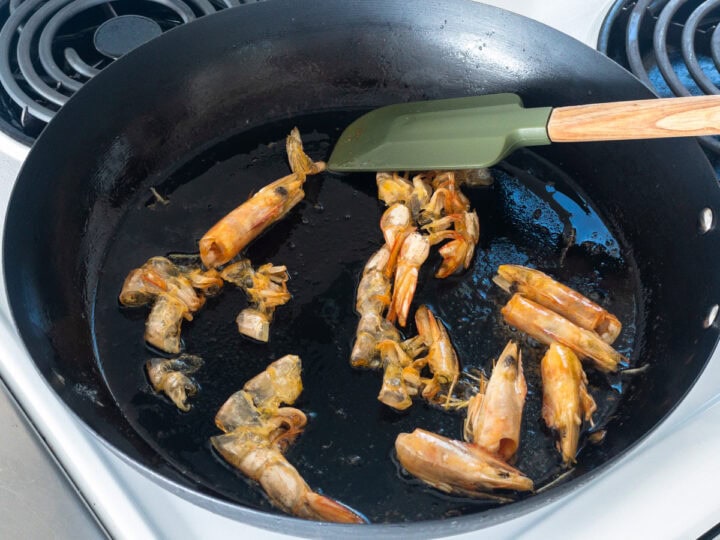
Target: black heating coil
(50, 49)
(673, 46)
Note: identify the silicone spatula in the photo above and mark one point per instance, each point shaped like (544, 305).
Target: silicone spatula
(478, 131)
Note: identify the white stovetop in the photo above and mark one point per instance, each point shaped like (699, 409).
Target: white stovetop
(663, 488)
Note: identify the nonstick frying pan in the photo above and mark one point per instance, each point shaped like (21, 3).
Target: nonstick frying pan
(199, 114)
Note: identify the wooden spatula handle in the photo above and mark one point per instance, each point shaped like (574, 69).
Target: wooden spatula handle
(644, 119)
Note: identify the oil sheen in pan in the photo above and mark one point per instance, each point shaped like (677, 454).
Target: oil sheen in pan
(531, 215)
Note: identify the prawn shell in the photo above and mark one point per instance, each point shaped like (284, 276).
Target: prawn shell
(442, 358)
(158, 276)
(299, 161)
(474, 177)
(392, 188)
(280, 481)
(495, 418)
(238, 410)
(566, 400)
(279, 383)
(162, 328)
(394, 392)
(232, 233)
(547, 292)
(170, 376)
(463, 236)
(456, 467)
(238, 273)
(364, 353)
(135, 291)
(257, 431)
(413, 253)
(236, 230)
(254, 324)
(209, 281)
(396, 220)
(374, 294)
(547, 327)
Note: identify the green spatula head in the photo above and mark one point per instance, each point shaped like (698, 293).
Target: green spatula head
(462, 133)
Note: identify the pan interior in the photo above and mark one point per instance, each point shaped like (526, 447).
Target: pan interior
(534, 214)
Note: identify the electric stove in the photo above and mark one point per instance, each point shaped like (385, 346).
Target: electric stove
(663, 487)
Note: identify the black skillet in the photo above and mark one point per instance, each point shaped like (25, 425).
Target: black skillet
(200, 115)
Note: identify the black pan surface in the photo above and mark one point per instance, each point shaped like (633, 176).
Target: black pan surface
(325, 244)
(206, 129)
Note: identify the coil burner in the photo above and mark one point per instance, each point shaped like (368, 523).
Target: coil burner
(673, 46)
(49, 49)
